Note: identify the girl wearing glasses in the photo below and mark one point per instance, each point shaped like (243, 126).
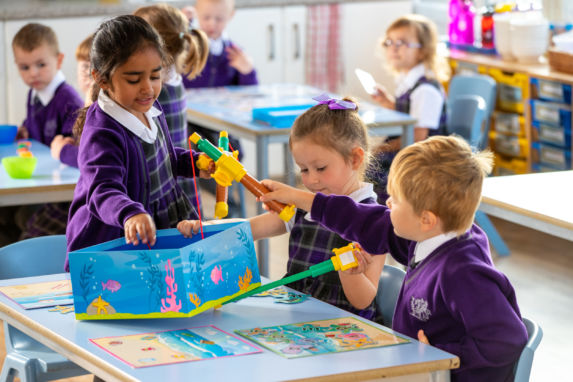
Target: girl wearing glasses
(410, 48)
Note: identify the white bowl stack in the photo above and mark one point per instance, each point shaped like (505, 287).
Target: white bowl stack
(521, 36)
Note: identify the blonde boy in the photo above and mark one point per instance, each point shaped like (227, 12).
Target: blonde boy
(452, 296)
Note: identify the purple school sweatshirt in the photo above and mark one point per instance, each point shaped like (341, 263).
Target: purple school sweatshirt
(218, 72)
(57, 117)
(113, 184)
(464, 305)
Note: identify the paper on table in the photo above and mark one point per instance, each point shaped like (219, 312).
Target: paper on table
(367, 81)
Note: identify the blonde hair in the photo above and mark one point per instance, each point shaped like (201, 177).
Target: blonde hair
(340, 130)
(441, 175)
(33, 35)
(83, 50)
(173, 27)
(427, 35)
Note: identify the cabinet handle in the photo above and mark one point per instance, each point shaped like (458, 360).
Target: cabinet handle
(271, 30)
(296, 39)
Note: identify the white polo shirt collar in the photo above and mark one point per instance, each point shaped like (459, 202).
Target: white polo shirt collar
(45, 95)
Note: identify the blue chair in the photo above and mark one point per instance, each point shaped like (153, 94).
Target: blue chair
(522, 368)
(26, 357)
(389, 287)
(470, 103)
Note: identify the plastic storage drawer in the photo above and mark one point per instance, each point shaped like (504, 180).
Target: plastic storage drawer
(509, 124)
(509, 166)
(558, 114)
(509, 145)
(553, 156)
(555, 135)
(512, 90)
(551, 91)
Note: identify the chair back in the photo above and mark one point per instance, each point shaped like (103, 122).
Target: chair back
(389, 287)
(38, 256)
(479, 85)
(522, 368)
(465, 118)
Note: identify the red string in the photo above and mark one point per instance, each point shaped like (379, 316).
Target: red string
(195, 185)
(231, 147)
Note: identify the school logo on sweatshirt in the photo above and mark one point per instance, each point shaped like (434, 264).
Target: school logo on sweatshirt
(419, 309)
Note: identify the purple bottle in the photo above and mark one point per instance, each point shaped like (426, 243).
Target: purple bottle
(461, 28)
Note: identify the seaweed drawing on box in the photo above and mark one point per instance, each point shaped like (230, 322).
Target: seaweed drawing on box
(153, 281)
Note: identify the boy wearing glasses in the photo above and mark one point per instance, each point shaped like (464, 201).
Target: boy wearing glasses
(410, 49)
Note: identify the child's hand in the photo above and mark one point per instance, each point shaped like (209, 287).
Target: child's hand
(141, 224)
(239, 60)
(364, 259)
(383, 97)
(58, 144)
(422, 337)
(287, 195)
(189, 228)
(206, 173)
(22, 133)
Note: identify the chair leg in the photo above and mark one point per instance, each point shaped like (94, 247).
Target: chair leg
(15, 366)
(242, 205)
(494, 237)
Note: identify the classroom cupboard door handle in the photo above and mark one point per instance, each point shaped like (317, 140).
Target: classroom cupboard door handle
(271, 33)
(296, 39)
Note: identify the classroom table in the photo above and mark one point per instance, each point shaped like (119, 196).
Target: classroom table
(541, 201)
(69, 337)
(52, 181)
(230, 108)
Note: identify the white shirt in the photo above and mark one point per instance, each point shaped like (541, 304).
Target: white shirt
(366, 190)
(128, 120)
(424, 248)
(172, 78)
(216, 46)
(45, 95)
(426, 101)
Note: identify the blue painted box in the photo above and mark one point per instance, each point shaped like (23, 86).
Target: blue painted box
(178, 277)
(280, 116)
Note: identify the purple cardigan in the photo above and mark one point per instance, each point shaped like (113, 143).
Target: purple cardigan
(113, 184)
(464, 305)
(218, 72)
(57, 117)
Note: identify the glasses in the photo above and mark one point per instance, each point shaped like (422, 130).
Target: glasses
(400, 43)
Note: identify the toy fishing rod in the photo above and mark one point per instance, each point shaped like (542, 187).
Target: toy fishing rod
(228, 168)
(342, 260)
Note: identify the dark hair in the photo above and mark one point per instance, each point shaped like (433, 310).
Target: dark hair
(114, 42)
(33, 35)
(340, 130)
(173, 27)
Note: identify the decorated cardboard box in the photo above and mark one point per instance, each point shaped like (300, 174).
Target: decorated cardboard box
(177, 277)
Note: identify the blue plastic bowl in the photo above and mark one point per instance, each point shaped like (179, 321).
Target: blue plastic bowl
(8, 134)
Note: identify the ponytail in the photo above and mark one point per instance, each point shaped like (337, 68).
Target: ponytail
(81, 118)
(197, 53)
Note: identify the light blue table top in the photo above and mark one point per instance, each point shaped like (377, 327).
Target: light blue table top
(51, 177)
(71, 338)
(232, 105)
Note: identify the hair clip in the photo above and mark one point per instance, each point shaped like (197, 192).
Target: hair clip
(181, 34)
(333, 103)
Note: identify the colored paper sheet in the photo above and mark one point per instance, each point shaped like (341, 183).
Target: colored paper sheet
(175, 346)
(321, 337)
(40, 295)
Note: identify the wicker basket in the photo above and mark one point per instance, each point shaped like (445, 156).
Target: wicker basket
(560, 61)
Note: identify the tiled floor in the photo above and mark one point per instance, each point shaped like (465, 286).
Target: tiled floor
(541, 270)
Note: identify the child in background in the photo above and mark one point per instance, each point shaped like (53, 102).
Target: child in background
(127, 162)
(227, 65)
(51, 111)
(85, 80)
(329, 142)
(410, 47)
(186, 52)
(452, 296)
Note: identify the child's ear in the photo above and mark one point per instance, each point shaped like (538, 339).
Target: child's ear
(60, 59)
(357, 157)
(429, 220)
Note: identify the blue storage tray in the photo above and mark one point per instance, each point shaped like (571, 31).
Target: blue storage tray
(280, 116)
(556, 135)
(558, 114)
(553, 156)
(552, 91)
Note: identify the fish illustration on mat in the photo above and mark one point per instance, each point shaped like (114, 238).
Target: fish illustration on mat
(217, 274)
(111, 285)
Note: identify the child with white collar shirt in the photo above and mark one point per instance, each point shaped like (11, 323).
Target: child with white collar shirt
(452, 296)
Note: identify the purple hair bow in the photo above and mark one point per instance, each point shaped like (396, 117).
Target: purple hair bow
(333, 103)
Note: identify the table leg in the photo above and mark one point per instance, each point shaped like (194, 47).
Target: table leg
(289, 166)
(407, 135)
(263, 173)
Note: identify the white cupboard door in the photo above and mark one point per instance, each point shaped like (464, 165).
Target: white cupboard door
(294, 32)
(258, 32)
